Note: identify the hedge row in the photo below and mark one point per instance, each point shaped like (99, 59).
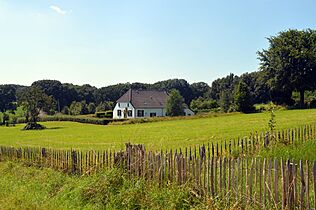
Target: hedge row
(88, 120)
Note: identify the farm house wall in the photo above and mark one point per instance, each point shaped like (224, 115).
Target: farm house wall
(122, 107)
(188, 112)
(160, 112)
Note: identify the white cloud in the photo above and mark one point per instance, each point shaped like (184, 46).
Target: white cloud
(58, 9)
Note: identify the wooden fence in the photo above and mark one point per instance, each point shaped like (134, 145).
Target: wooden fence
(260, 183)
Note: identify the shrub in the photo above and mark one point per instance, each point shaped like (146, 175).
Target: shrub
(109, 114)
(100, 114)
(312, 104)
(79, 119)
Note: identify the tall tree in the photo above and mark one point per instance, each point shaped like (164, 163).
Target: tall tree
(290, 61)
(7, 97)
(243, 98)
(175, 104)
(52, 88)
(200, 89)
(178, 84)
(226, 84)
(34, 100)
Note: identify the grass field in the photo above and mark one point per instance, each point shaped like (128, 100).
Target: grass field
(155, 135)
(24, 187)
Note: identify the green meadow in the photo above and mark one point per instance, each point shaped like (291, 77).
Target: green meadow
(155, 135)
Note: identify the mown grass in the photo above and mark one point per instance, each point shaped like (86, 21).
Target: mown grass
(155, 135)
(25, 187)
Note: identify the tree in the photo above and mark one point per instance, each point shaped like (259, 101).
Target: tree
(290, 61)
(201, 104)
(105, 106)
(52, 88)
(34, 100)
(226, 84)
(7, 97)
(225, 100)
(175, 104)
(243, 98)
(178, 84)
(200, 89)
(91, 108)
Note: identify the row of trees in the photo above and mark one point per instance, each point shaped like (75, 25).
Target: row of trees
(288, 65)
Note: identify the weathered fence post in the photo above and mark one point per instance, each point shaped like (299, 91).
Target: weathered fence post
(74, 161)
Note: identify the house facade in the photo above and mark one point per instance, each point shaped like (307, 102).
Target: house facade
(142, 103)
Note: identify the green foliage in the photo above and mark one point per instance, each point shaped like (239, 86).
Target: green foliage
(105, 106)
(201, 104)
(225, 100)
(200, 90)
(7, 97)
(272, 121)
(290, 61)
(243, 98)
(107, 114)
(175, 104)
(91, 108)
(34, 100)
(100, 114)
(65, 110)
(34, 188)
(78, 108)
(69, 118)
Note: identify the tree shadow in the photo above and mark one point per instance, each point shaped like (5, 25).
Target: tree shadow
(54, 128)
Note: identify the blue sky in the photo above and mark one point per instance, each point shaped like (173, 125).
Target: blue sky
(108, 42)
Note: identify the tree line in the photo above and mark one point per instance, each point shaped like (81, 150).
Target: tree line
(287, 71)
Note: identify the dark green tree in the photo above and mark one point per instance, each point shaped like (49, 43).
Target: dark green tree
(91, 108)
(52, 88)
(290, 61)
(225, 100)
(201, 104)
(7, 97)
(243, 98)
(34, 100)
(175, 104)
(178, 84)
(200, 89)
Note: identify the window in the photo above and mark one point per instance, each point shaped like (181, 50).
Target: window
(130, 113)
(153, 114)
(140, 113)
(119, 113)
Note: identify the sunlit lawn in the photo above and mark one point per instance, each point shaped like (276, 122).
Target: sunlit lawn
(155, 135)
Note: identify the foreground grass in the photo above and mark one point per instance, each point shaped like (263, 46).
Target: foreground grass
(155, 135)
(303, 151)
(25, 187)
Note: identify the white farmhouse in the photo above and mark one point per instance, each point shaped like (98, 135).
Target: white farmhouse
(143, 103)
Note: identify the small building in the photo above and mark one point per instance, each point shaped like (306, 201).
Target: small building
(143, 103)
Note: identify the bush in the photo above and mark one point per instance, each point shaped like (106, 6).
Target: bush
(109, 114)
(100, 114)
(201, 104)
(312, 104)
(79, 119)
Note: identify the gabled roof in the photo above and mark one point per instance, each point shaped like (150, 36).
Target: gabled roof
(145, 98)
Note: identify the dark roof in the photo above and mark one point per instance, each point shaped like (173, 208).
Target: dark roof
(145, 98)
